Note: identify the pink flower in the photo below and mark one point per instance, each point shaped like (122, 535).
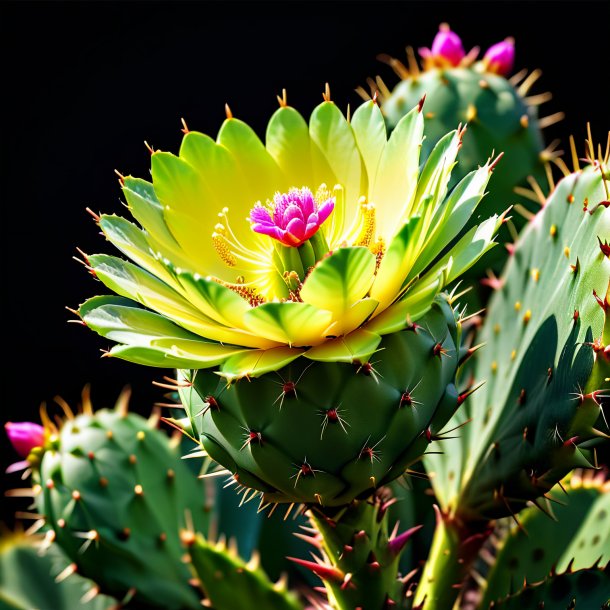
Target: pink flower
(24, 436)
(447, 48)
(296, 216)
(500, 57)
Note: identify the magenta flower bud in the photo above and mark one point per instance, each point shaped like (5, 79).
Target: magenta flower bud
(500, 57)
(24, 436)
(446, 49)
(297, 216)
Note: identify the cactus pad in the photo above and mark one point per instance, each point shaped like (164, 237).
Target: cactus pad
(545, 360)
(116, 493)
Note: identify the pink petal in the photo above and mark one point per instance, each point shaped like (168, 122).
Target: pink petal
(292, 211)
(296, 227)
(325, 210)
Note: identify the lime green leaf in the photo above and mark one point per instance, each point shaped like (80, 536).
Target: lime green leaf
(396, 180)
(369, 128)
(153, 356)
(214, 300)
(395, 265)
(148, 211)
(130, 281)
(434, 178)
(409, 308)
(257, 165)
(293, 323)
(258, 362)
(451, 217)
(123, 321)
(339, 280)
(226, 181)
(467, 251)
(333, 137)
(353, 317)
(289, 144)
(132, 242)
(358, 345)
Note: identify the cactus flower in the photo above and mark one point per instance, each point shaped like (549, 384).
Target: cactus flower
(24, 436)
(447, 48)
(235, 254)
(500, 57)
(239, 271)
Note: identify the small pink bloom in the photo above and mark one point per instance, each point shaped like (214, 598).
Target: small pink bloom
(447, 48)
(500, 57)
(297, 216)
(24, 436)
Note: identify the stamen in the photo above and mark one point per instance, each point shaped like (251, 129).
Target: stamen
(367, 222)
(221, 246)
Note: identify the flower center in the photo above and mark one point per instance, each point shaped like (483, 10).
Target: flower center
(293, 217)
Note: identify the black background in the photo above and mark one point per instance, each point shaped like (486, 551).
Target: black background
(83, 84)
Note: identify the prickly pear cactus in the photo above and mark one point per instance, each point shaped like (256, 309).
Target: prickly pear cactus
(294, 325)
(545, 360)
(500, 117)
(571, 531)
(29, 579)
(116, 494)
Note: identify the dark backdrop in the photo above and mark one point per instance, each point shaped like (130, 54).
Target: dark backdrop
(83, 84)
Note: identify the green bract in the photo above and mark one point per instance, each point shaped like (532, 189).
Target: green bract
(204, 290)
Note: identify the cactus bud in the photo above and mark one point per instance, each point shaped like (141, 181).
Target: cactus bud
(499, 58)
(447, 47)
(24, 436)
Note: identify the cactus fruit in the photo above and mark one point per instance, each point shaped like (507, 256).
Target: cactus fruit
(573, 534)
(229, 582)
(280, 317)
(116, 493)
(546, 335)
(459, 89)
(30, 580)
(587, 589)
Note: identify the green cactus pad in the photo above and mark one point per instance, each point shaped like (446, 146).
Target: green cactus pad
(116, 493)
(575, 534)
(588, 589)
(29, 579)
(544, 338)
(330, 432)
(230, 583)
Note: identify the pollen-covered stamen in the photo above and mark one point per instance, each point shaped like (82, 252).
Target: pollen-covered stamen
(292, 218)
(230, 249)
(366, 223)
